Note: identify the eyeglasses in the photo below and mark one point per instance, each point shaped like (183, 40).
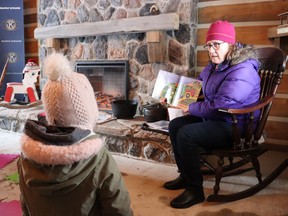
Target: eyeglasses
(215, 45)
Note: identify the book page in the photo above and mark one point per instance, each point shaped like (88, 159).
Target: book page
(165, 86)
(187, 92)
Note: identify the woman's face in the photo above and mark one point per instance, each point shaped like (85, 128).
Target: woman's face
(217, 50)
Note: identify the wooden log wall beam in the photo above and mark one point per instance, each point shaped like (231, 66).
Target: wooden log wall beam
(160, 22)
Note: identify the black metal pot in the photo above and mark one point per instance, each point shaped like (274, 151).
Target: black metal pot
(155, 112)
(124, 109)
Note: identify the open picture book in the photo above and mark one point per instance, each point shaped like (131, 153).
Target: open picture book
(178, 90)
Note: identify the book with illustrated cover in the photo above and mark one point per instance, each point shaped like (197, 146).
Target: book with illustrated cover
(179, 91)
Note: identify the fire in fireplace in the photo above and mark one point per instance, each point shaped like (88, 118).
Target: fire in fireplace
(109, 80)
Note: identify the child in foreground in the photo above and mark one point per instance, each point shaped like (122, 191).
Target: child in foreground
(64, 169)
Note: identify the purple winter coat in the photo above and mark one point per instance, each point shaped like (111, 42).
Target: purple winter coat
(234, 84)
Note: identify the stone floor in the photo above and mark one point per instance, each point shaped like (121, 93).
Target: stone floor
(144, 181)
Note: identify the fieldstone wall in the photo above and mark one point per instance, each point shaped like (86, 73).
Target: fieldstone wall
(179, 45)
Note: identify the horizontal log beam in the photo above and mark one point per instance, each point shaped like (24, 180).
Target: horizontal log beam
(121, 26)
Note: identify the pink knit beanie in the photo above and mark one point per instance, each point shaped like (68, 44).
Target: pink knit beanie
(68, 97)
(221, 30)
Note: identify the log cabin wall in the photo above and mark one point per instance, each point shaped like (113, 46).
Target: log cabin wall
(30, 23)
(252, 19)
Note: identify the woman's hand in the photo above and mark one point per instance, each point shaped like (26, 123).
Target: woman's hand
(186, 111)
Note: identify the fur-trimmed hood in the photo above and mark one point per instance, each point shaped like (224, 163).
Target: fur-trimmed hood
(51, 145)
(239, 53)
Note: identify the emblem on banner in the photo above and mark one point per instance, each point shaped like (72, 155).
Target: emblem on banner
(12, 56)
(11, 24)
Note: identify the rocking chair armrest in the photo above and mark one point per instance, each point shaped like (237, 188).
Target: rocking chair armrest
(250, 108)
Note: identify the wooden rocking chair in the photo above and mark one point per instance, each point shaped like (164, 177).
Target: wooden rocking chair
(244, 156)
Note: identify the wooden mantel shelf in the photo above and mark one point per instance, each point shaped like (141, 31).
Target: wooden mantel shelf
(159, 22)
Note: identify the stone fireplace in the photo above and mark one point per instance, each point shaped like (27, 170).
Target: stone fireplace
(150, 35)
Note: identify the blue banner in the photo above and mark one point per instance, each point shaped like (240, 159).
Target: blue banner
(12, 41)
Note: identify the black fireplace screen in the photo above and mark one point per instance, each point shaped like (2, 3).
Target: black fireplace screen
(109, 80)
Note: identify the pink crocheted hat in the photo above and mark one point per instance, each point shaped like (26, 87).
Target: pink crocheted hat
(68, 97)
(221, 30)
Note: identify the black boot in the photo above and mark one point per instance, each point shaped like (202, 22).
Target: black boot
(186, 199)
(176, 184)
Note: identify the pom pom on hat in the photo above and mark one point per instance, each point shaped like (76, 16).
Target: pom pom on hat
(68, 97)
(221, 30)
(57, 66)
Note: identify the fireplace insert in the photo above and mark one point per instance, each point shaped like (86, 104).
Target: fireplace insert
(108, 78)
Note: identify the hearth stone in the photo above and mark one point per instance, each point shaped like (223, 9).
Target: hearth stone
(126, 137)
(14, 119)
(123, 137)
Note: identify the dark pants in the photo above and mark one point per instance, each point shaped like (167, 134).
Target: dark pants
(188, 134)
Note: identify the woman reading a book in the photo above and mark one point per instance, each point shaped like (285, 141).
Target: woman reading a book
(229, 80)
